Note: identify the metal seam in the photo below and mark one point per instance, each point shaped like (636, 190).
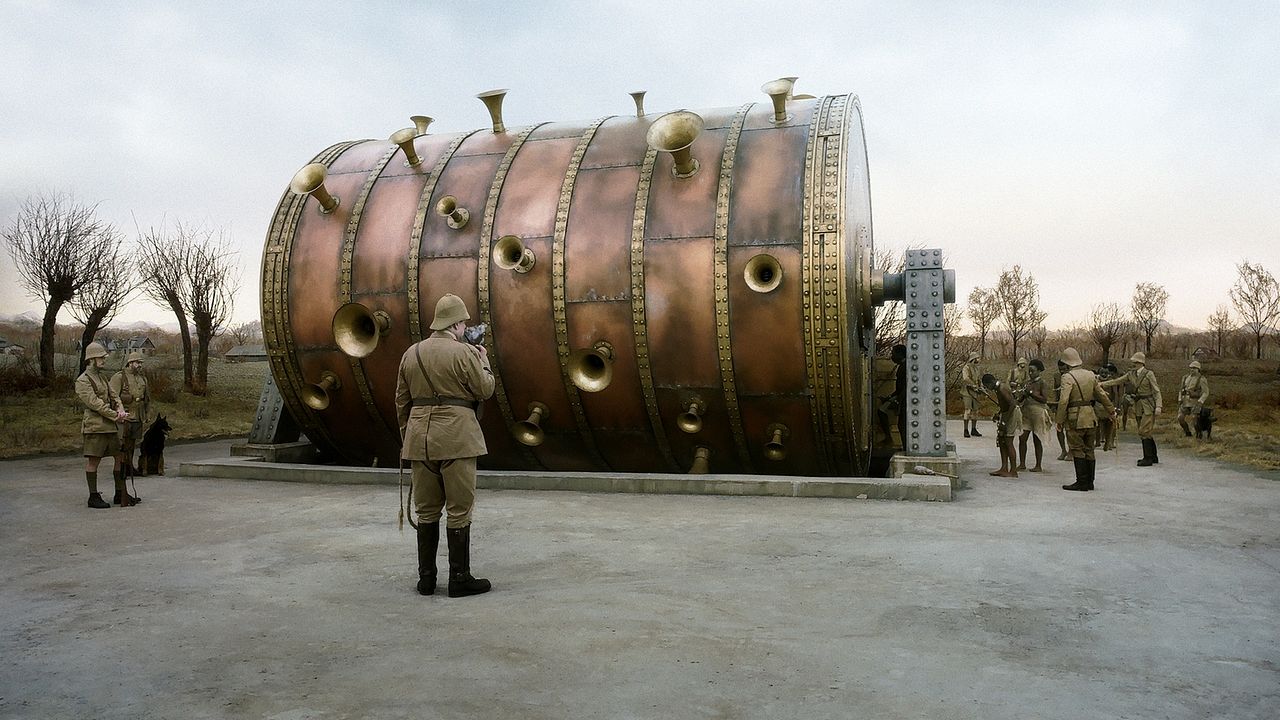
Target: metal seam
(558, 279)
(724, 342)
(809, 304)
(415, 237)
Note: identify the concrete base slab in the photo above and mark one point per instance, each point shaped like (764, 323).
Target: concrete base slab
(910, 487)
(301, 451)
(947, 466)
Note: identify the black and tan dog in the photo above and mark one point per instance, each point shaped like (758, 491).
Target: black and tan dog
(151, 449)
(1204, 423)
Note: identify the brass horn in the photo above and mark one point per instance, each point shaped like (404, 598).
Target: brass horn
(529, 432)
(690, 420)
(791, 89)
(778, 90)
(804, 96)
(493, 101)
(510, 253)
(457, 216)
(591, 369)
(420, 123)
(638, 96)
(774, 448)
(763, 273)
(701, 461)
(310, 181)
(674, 133)
(404, 138)
(316, 395)
(356, 329)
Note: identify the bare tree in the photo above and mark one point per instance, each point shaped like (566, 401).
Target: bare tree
(209, 292)
(1107, 325)
(1019, 299)
(1148, 304)
(984, 308)
(98, 303)
(1220, 326)
(1256, 296)
(1038, 336)
(53, 241)
(164, 256)
(242, 333)
(891, 317)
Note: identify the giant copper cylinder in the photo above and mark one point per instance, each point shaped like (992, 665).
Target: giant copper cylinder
(658, 267)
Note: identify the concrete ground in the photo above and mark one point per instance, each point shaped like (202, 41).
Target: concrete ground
(1156, 596)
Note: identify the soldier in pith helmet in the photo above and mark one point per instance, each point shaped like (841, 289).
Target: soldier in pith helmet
(1192, 396)
(970, 387)
(130, 385)
(98, 424)
(1080, 390)
(1146, 403)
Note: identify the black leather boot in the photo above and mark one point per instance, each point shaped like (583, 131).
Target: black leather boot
(96, 501)
(428, 544)
(975, 429)
(1148, 452)
(1082, 474)
(1155, 453)
(1091, 466)
(461, 584)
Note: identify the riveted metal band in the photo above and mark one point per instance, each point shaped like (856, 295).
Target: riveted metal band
(415, 238)
(558, 292)
(811, 303)
(344, 282)
(823, 277)
(482, 283)
(638, 321)
(277, 332)
(724, 342)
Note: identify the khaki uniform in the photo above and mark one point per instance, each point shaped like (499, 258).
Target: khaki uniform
(131, 388)
(969, 381)
(1147, 400)
(1195, 391)
(1080, 390)
(1018, 377)
(442, 440)
(98, 423)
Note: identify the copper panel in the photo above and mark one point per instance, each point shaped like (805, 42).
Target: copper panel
(715, 433)
(718, 118)
(527, 205)
(467, 179)
(563, 452)
(632, 450)
(356, 439)
(359, 159)
(556, 130)
(685, 207)
(621, 405)
(315, 263)
(440, 275)
(761, 115)
(680, 312)
(597, 244)
(428, 147)
(767, 329)
(766, 203)
(378, 264)
(618, 141)
(758, 413)
(487, 142)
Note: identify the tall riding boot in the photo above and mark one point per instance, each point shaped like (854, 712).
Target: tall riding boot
(1185, 430)
(122, 498)
(1082, 474)
(1092, 467)
(975, 429)
(428, 544)
(1155, 453)
(966, 428)
(461, 584)
(95, 497)
(1148, 451)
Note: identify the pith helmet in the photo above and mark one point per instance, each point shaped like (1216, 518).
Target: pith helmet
(94, 350)
(1194, 364)
(449, 310)
(973, 356)
(1139, 357)
(135, 355)
(1071, 357)
(1022, 362)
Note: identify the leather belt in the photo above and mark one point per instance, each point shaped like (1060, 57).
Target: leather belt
(443, 400)
(1078, 403)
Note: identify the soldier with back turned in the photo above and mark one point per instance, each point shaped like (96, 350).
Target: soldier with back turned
(1080, 390)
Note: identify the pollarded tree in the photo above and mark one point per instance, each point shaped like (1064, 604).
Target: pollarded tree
(1107, 324)
(1148, 304)
(54, 243)
(1220, 327)
(1256, 296)
(163, 257)
(984, 308)
(209, 292)
(1019, 298)
(98, 302)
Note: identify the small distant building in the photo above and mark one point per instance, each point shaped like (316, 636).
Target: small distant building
(1204, 353)
(246, 353)
(142, 344)
(8, 348)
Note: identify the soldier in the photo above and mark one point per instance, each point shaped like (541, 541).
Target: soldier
(1008, 424)
(1018, 376)
(1033, 398)
(969, 388)
(1116, 394)
(102, 411)
(1146, 402)
(130, 385)
(1053, 410)
(1080, 390)
(1192, 397)
(442, 381)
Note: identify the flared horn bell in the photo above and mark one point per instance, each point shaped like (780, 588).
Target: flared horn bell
(701, 461)
(510, 253)
(310, 181)
(638, 96)
(404, 138)
(775, 448)
(791, 86)
(457, 216)
(420, 123)
(675, 133)
(316, 395)
(591, 369)
(357, 329)
(763, 273)
(690, 420)
(529, 432)
(778, 90)
(493, 101)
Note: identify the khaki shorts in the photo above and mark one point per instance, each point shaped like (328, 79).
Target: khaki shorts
(1035, 419)
(101, 445)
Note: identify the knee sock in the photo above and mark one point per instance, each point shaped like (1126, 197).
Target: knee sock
(92, 478)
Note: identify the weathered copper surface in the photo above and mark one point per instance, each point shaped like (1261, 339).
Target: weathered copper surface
(626, 254)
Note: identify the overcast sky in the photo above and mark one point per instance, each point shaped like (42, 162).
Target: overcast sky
(1096, 144)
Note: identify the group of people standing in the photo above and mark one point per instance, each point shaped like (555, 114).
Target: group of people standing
(111, 424)
(1081, 404)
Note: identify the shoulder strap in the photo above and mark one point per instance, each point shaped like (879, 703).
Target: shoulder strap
(417, 353)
